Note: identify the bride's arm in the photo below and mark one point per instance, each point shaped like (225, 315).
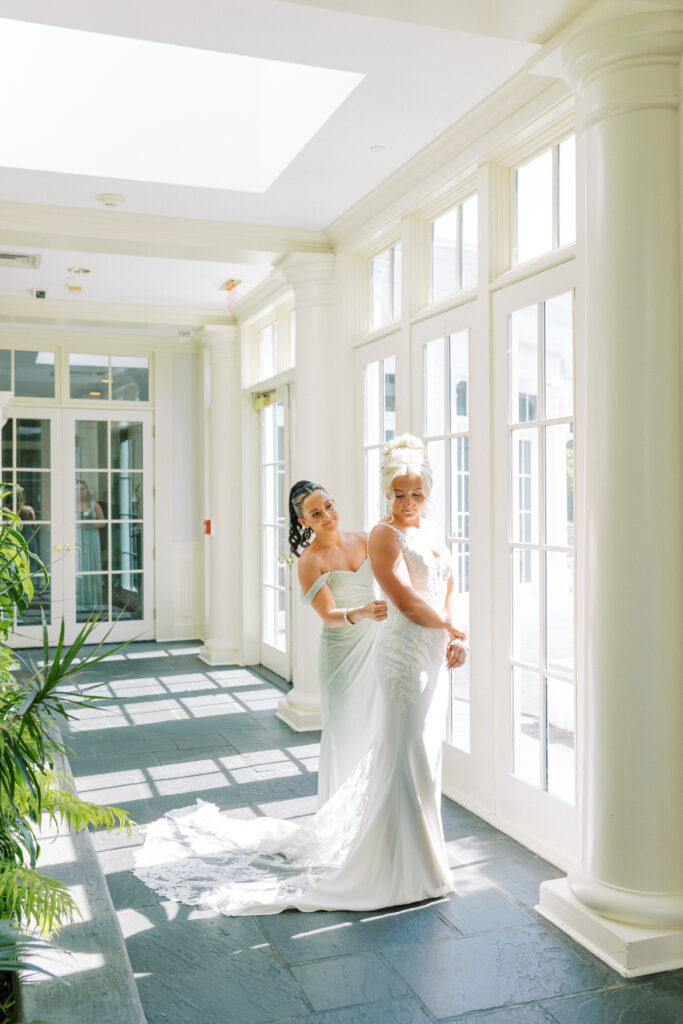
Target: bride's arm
(391, 572)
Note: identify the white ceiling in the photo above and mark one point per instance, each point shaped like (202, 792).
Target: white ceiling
(426, 63)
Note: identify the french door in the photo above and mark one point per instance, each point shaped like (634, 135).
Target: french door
(84, 495)
(276, 560)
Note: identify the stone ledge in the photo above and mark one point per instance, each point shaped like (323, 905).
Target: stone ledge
(90, 954)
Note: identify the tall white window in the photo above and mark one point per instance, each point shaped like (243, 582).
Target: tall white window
(545, 201)
(446, 430)
(454, 249)
(541, 544)
(379, 403)
(385, 287)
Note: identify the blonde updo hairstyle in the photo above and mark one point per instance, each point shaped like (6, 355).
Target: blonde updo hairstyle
(403, 456)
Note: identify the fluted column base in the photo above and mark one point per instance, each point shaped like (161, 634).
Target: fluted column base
(631, 950)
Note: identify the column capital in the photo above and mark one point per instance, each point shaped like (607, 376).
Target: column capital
(613, 62)
(221, 341)
(311, 276)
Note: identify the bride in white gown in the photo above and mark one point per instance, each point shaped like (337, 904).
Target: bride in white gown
(378, 841)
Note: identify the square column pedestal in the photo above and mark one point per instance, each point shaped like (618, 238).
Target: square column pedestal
(629, 949)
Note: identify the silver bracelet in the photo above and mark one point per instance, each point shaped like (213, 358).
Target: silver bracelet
(347, 620)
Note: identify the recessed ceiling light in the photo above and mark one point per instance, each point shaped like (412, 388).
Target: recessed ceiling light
(110, 199)
(95, 393)
(77, 270)
(107, 380)
(159, 121)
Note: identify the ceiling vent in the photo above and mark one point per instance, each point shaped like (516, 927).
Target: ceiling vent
(15, 259)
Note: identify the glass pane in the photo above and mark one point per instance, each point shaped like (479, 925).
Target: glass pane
(558, 360)
(91, 596)
(126, 547)
(281, 639)
(435, 387)
(459, 377)
(373, 491)
(526, 726)
(371, 402)
(126, 496)
(33, 496)
(269, 618)
(89, 376)
(34, 374)
(389, 380)
(460, 487)
(566, 170)
(280, 432)
(534, 207)
(127, 595)
(130, 378)
(397, 283)
(380, 289)
(460, 707)
(559, 484)
(5, 370)
(33, 444)
(270, 548)
(524, 485)
(280, 493)
(126, 445)
(91, 444)
(91, 546)
(525, 606)
(445, 255)
(460, 553)
(268, 494)
(559, 597)
(40, 609)
(268, 351)
(91, 496)
(561, 739)
(436, 453)
(7, 451)
(268, 434)
(524, 365)
(470, 242)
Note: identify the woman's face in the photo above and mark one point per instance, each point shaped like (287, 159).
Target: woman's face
(81, 492)
(407, 496)
(319, 512)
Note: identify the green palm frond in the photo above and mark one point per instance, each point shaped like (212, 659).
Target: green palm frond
(33, 898)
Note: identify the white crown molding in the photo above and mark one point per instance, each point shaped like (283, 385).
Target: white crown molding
(132, 234)
(67, 312)
(263, 298)
(452, 157)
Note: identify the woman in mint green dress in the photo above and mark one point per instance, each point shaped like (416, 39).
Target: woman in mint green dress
(337, 581)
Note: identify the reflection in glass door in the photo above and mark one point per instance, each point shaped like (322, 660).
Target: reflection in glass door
(27, 465)
(276, 560)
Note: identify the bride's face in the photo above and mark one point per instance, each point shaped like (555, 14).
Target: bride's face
(407, 497)
(319, 512)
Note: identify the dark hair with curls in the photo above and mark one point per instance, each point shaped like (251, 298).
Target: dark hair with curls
(300, 536)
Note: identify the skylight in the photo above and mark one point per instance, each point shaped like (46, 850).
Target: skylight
(118, 108)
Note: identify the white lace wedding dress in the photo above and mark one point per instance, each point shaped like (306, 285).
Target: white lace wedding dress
(378, 841)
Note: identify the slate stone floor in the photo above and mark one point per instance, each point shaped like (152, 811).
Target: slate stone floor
(169, 729)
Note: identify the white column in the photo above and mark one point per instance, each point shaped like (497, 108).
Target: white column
(224, 507)
(315, 430)
(624, 900)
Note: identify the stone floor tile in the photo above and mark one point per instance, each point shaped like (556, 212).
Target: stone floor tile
(195, 968)
(658, 1001)
(486, 972)
(394, 1011)
(346, 981)
(459, 823)
(506, 863)
(305, 937)
(477, 905)
(528, 1014)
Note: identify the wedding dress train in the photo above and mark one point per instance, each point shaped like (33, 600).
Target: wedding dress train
(378, 841)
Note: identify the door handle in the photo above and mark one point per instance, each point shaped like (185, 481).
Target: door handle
(57, 547)
(287, 559)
